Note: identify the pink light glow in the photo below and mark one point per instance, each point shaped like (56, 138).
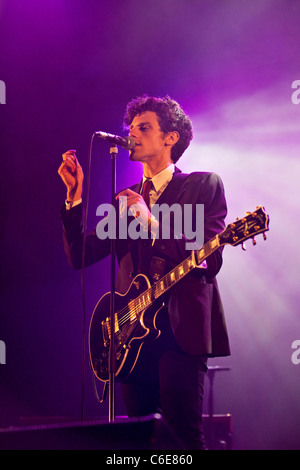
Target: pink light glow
(253, 142)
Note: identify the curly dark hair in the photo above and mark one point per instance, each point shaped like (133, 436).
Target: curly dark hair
(170, 116)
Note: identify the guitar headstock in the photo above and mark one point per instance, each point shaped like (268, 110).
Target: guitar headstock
(252, 224)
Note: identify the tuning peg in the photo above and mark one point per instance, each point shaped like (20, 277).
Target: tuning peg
(253, 241)
(243, 246)
(236, 218)
(265, 236)
(247, 213)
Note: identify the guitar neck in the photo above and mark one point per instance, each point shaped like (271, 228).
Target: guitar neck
(234, 234)
(175, 275)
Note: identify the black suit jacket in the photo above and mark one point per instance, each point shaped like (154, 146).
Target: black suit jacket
(194, 304)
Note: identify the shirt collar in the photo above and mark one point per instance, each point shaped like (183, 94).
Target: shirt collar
(162, 177)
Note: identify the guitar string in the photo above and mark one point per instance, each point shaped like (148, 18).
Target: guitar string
(140, 303)
(137, 302)
(187, 266)
(167, 283)
(206, 248)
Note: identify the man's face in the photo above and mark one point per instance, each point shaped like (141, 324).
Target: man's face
(149, 139)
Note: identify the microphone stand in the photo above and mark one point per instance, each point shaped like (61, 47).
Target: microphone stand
(112, 361)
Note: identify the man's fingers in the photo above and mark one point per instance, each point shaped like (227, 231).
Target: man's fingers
(122, 193)
(70, 152)
(130, 192)
(131, 199)
(131, 196)
(70, 156)
(60, 169)
(127, 192)
(70, 161)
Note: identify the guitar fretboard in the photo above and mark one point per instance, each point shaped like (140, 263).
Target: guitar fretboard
(136, 306)
(234, 234)
(171, 278)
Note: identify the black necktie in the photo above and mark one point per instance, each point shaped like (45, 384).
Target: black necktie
(146, 189)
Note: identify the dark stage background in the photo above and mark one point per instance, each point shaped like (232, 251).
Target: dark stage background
(70, 67)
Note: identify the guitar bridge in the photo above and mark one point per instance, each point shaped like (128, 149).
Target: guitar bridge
(106, 330)
(105, 334)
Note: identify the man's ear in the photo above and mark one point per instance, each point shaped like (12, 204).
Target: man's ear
(172, 138)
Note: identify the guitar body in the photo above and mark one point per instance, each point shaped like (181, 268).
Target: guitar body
(133, 326)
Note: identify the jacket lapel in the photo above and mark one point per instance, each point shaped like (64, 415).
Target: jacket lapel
(175, 188)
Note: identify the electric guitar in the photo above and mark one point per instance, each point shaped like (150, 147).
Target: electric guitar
(136, 310)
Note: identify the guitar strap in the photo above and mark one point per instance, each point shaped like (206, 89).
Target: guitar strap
(158, 265)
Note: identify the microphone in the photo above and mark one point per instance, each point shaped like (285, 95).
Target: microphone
(126, 142)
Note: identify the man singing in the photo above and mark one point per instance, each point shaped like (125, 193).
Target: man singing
(169, 374)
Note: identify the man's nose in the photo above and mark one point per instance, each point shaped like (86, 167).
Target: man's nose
(132, 133)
